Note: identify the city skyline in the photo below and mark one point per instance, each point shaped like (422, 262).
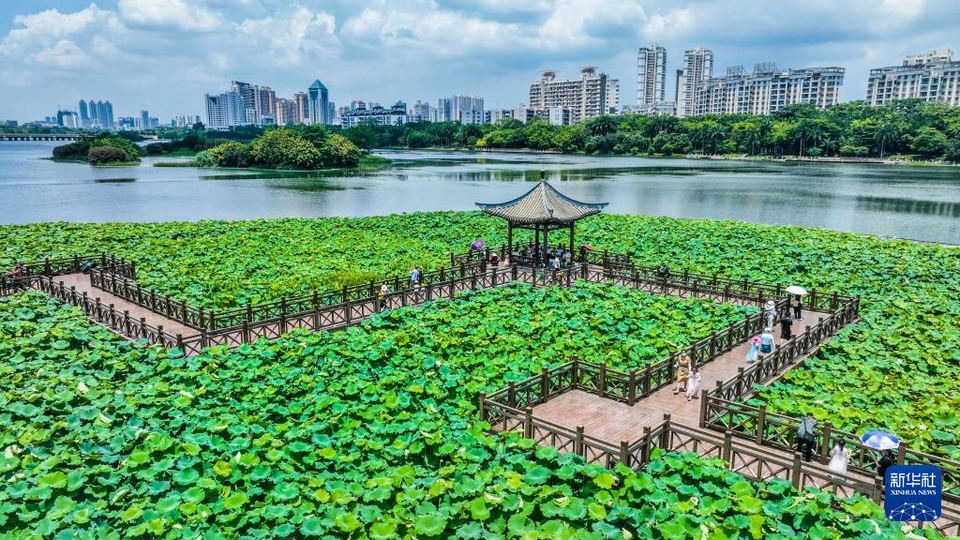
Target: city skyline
(420, 50)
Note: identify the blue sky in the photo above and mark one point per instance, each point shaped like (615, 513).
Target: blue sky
(163, 55)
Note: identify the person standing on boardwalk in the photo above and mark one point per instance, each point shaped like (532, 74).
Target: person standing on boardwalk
(693, 384)
(839, 458)
(754, 351)
(806, 436)
(785, 329)
(885, 462)
(494, 260)
(663, 272)
(770, 312)
(797, 307)
(683, 371)
(414, 277)
(766, 342)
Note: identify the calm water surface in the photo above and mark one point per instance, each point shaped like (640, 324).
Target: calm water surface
(921, 203)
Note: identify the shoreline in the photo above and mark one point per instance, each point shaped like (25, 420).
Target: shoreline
(830, 160)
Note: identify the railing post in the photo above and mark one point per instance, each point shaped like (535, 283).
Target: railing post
(202, 322)
(877, 495)
(583, 270)
(46, 267)
(796, 471)
(575, 372)
(180, 344)
(813, 300)
(513, 271)
(704, 396)
(204, 341)
(528, 423)
(578, 442)
(602, 386)
(901, 453)
(727, 450)
(511, 394)
(245, 332)
(647, 372)
(665, 436)
(625, 453)
(632, 388)
(344, 294)
(126, 321)
(825, 442)
(481, 402)
(834, 302)
(544, 383)
(159, 331)
(645, 449)
(761, 423)
(429, 291)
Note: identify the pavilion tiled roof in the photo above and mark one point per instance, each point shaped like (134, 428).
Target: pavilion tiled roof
(542, 205)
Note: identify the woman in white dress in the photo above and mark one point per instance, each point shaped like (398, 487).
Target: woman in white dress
(693, 384)
(839, 458)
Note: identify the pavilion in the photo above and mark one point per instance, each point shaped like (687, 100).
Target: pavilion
(542, 209)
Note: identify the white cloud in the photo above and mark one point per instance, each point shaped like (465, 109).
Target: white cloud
(65, 54)
(165, 13)
(47, 27)
(292, 37)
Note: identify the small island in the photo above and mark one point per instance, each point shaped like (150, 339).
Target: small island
(103, 149)
(295, 147)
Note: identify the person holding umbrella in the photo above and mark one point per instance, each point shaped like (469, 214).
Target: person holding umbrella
(797, 303)
(886, 443)
(770, 312)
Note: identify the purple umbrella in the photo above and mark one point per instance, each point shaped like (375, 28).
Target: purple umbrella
(477, 245)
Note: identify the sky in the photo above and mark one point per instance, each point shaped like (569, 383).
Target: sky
(164, 55)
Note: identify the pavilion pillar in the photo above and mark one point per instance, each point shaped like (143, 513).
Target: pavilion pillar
(510, 240)
(546, 242)
(570, 247)
(536, 242)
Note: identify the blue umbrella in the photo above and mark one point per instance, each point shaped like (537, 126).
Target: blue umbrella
(881, 440)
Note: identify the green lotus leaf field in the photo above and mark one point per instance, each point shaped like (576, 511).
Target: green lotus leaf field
(897, 369)
(369, 432)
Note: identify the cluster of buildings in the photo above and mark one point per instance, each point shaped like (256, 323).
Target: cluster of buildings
(98, 115)
(933, 76)
(764, 90)
(251, 104)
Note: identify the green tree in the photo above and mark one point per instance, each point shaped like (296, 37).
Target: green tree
(282, 148)
(601, 125)
(886, 133)
(929, 141)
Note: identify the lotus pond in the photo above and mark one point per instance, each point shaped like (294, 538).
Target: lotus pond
(897, 369)
(365, 433)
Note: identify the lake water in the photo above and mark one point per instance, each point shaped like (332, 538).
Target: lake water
(920, 203)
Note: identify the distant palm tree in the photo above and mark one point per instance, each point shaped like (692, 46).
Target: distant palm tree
(886, 132)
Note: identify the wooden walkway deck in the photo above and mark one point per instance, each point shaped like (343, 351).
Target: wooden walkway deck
(82, 284)
(614, 421)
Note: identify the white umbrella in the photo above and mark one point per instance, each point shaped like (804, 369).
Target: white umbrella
(796, 289)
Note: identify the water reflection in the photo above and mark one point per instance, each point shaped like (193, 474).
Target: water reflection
(912, 202)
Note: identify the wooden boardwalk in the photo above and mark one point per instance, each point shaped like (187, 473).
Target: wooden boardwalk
(82, 284)
(614, 421)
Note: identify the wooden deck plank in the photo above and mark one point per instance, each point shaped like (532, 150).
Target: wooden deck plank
(614, 421)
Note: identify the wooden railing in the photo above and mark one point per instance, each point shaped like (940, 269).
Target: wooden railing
(786, 356)
(103, 314)
(752, 461)
(69, 265)
(780, 431)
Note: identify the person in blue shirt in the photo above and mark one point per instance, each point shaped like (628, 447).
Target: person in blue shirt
(766, 342)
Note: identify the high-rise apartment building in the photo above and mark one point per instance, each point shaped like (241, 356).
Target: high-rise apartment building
(460, 108)
(318, 102)
(697, 69)
(84, 114)
(768, 90)
(143, 121)
(933, 76)
(422, 112)
(591, 95)
(651, 75)
(286, 112)
(303, 107)
(225, 110)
